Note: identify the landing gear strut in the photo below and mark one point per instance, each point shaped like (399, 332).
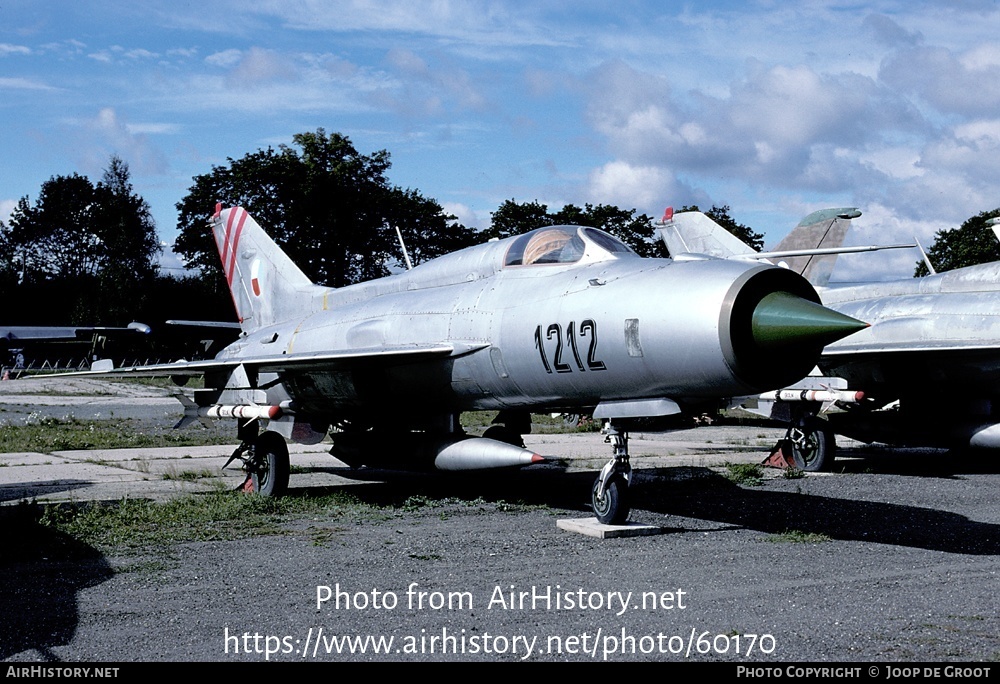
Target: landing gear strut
(609, 496)
(812, 444)
(265, 461)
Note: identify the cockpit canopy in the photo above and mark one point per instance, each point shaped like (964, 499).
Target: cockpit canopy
(560, 245)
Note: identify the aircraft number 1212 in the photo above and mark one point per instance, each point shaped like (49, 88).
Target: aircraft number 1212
(587, 331)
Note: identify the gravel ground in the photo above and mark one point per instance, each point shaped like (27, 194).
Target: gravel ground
(892, 559)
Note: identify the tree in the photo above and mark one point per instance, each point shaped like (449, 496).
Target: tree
(331, 209)
(129, 245)
(721, 216)
(54, 237)
(637, 232)
(969, 244)
(87, 251)
(512, 218)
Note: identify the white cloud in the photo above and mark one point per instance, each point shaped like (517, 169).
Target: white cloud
(108, 134)
(881, 225)
(460, 22)
(987, 131)
(140, 53)
(224, 59)
(895, 162)
(982, 57)
(8, 49)
(183, 52)
(22, 84)
(408, 62)
(6, 208)
(152, 128)
(465, 215)
(421, 88)
(765, 127)
(951, 82)
(258, 67)
(646, 188)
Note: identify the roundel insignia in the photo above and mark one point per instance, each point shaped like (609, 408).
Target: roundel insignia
(255, 277)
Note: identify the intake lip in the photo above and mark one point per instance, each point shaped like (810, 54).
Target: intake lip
(773, 327)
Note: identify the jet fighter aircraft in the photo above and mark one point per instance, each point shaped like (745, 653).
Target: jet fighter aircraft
(561, 318)
(930, 338)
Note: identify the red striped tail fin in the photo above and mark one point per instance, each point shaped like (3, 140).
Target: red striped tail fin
(266, 285)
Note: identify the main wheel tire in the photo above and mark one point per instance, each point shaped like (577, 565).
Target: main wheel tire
(816, 453)
(614, 508)
(270, 476)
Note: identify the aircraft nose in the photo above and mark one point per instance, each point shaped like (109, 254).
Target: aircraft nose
(782, 320)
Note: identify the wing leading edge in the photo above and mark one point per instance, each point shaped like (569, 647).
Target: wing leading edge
(309, 361)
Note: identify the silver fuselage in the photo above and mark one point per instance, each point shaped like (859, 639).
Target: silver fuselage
(933, 333)
(541, 337)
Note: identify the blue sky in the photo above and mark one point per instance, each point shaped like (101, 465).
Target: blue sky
(776, 109)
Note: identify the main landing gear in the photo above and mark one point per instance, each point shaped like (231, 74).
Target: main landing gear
(812, 444)
(265, 460)
(610, 496)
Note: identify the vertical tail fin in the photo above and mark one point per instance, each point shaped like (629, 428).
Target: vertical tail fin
(802, 250)
(267, 287)
(823, 229)
(694, 232)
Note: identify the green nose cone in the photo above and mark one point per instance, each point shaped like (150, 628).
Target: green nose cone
(782, 319)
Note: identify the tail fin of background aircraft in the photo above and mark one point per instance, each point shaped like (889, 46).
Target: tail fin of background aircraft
(693, 232)
(823, 229)
(802, 250)
(266, 285)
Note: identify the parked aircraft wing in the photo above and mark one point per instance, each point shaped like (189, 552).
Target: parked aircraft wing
(228, 325)
(52, 333)
(308, 361)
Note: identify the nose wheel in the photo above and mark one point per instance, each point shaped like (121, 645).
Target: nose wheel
(610, 496)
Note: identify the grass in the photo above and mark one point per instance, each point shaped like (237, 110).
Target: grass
(138, 524)
(793, 474)
(798, 537)
(190, 475)
(46, 435)
(222, 515)
(748, 474)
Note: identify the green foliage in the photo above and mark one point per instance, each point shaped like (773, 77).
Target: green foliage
(222, 515)
(331, 208)
(749, 474)
(46, 434)
(971, 243)
(512, 218)
(721, 216)
(798, 537)
(89, 251)
(137, 523)
(793, 474)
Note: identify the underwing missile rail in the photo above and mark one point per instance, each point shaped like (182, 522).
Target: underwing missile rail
(819, 395)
